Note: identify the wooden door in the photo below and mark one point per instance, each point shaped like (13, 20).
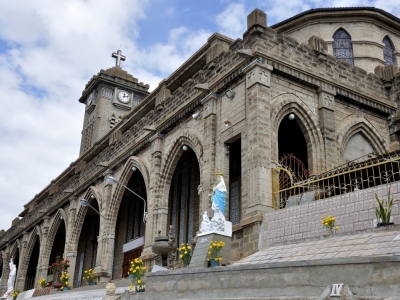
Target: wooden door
(128, 256)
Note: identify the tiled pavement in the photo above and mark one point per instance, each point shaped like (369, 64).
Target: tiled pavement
(375, 242)
(94, 294)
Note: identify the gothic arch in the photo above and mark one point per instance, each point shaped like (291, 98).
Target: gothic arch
(15, 247)
(36, 233)
(80, 216)
(353, 124)
(126, 174)
(287, 103)
(57, 218)
(172, 157)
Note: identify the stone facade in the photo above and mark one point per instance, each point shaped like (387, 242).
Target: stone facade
(244, 90)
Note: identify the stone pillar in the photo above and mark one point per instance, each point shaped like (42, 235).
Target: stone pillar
(157, 207)
(326, 100)
(43, 263)
(256, 142)
(258, 138)
(70, 249)
(6, 270)
(106, 245)
(22, 267)
(207, 178)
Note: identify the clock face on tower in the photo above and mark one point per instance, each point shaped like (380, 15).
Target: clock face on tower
(123, 97)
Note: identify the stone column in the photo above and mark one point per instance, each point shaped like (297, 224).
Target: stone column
(22, 267)
(157, 207)
(207, 177)
(6, 270)
(105, 250)
(256, 142)
(326, 100)
(43, 263)
(70, 249)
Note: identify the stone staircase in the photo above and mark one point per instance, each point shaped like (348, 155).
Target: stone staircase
(367, 263)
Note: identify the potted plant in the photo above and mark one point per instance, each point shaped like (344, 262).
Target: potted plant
(57, 268)
(138, 270)
(89, 276)
(213, 253)
(384, 210)
(329, 223)
(14, 295)
(64, 280)
(185, 253)
(42, 283)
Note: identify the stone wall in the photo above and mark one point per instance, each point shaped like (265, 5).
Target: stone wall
(353, 211)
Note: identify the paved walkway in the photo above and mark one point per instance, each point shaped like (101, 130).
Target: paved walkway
(94, 294)
(376, 242)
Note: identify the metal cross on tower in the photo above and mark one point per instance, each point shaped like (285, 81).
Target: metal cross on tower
(118, 57)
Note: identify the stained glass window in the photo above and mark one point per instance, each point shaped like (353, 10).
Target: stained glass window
(342, 47)
(388, 51)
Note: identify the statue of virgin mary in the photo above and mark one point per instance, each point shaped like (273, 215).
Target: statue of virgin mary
(219, 196)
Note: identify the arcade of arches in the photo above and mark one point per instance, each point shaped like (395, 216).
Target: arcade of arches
(224, 109)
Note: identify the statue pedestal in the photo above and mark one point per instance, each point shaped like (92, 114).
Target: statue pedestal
(199, 257)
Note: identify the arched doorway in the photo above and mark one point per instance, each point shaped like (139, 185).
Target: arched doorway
(183, 210)
(30, 278)
(130, 227)
(291, 141)
(58, 244)
(87, 244)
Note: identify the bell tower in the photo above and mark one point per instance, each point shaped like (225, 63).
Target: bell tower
(108, 96)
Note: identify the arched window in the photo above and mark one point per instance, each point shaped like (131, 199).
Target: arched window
(388, 51)
(342, 47)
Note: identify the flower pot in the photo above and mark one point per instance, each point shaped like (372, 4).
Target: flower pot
(66, 288)
(185, 265)
(130, 275)
(214, 263)
(384, 224)
(91, 283)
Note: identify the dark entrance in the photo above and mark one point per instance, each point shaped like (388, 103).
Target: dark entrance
(87, 245)
(58, 244)
(130, 225)
(184, 199)
(291, 141)
(32, 266)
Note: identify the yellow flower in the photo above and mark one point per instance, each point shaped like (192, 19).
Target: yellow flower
(337, 227)
(185, 252)
(66, 283)
(189, 247)
(209, 252)
(180, 255)
(210, 247)
(139, 281)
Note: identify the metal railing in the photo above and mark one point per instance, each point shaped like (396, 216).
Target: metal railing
(290, 188)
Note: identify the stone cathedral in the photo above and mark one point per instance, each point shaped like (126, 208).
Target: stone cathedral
(319, 89)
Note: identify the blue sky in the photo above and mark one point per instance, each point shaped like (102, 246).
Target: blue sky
(50, 49)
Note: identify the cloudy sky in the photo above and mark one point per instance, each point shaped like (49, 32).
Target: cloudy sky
(50, 49)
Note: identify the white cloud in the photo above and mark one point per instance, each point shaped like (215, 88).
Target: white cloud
(232, 21)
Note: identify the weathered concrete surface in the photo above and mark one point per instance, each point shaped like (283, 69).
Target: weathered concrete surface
(366, 277)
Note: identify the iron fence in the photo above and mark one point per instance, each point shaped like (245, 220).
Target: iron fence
(290, 188)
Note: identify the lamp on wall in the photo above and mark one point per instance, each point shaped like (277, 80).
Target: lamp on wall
(230, 94)
(196, 115)
(291, 116)
(185, 148)
(134, 169)
(113, 180)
